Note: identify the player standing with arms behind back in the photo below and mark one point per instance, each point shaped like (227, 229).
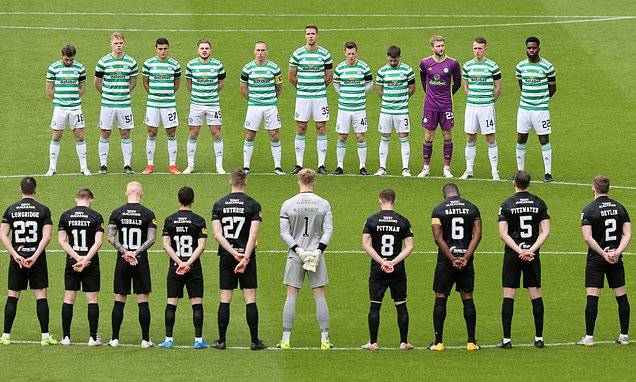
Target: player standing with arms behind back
(236, 219)
(524, 225)
(537, 82)
(184, 236)
(607, 230)
(436, 73)
(161, 76)
(30, 225)
(383, 235)
(205, 77)
(310, 72)
(115, 78)
(482, 82)
(352, 80)
(261, 85)
(81, 232)
(306, 225)
(65, 85)
(456, 225)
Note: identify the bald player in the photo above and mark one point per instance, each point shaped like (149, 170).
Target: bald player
(132, 231)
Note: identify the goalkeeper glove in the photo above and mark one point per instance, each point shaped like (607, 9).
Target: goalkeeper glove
(311, 263)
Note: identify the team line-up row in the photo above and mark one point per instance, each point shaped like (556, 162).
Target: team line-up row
(306, 227)
(310, 70)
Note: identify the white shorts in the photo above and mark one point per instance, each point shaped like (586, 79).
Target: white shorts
(400, 122)
(479, 118)
(295, 274)
(63, 116)
(167, 116)
(346, 119)
(109, 115)
(266, 114)
(539, 120)
(311, 108)
(211, 114)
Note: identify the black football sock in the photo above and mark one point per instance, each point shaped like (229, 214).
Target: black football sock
(10, 309)
(42, 308)
(93, 319)
(170, 314)
(439, 315)
(591, 310)
(470, 315)
(197, 320)
(117, 317)
(403, 322)
(67, 317)
(251, 314)
(223, 317)
(507, 310)
(537, 312)
(144, 320)
(623, 313)
(374, 321)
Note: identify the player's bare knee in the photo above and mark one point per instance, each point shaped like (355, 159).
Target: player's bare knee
(490, 138)
(249, 296)
(171, 132)
(249, 135)
(172, 301)
(301, 127)
(321, 127)
(396, 303)
(196, 300)
(225, 296)
(440, 295)
(403, 135)
(124, 133)
(13, 293)
(472, 138)
(343, 137)
(593, 291)
(620, 291)
(446, 135)
(142, 298)
(194, 132)
(91, 297)
(106, 133)
(274, 135)
(39, 293)
(509, 293)
(69, 297)
(215, 130)
(544, 139)
(522, 138)
(466, 295)
(152, 131)
(121, 298)
(318, 292)
(534, 293)
(360, 137)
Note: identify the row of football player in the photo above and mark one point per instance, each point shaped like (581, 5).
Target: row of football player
(311, 71)
(306, 228)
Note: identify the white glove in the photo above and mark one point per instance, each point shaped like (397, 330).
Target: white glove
(311, 262)
(301, 253)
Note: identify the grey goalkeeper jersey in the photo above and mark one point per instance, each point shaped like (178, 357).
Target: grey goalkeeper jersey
(305, 221)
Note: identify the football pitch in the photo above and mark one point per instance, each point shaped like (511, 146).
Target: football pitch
(592, 133)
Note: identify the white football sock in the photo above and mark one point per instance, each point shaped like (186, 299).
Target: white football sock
(54, 153)
(384, 150)
(362, 153)
(521, 156)
(80, 148)
(172, 150)
(493, 155)
(299, 147)
(276, 153)
(341, 150)
(546, 153)
(126, 150)
(218, 152)
(405, 149)
(248, 150)
(103, 147)
(321, 146)
(151, 143)
(470, 151)
(191, 150)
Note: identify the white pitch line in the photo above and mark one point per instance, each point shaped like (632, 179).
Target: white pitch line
(345, 251)
(410, 16)
(452, 347)
(413, 178)
(589, 20)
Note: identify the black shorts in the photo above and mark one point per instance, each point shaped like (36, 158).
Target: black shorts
(595, 273)
(88, 280)
(193, 281)
(36, 277)
(229, 280)
(139, 275)
(513, 267)
(446, 275)
(395, 281)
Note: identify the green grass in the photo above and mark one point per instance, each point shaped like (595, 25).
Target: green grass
(592, 118)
